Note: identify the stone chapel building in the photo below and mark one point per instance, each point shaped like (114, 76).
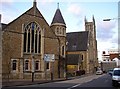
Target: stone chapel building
(82, 49)
(30, 46)
(27, 44)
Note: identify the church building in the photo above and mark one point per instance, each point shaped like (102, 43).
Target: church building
(31, 48)
(82, 49)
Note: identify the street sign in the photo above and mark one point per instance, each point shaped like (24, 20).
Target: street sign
(49, 57)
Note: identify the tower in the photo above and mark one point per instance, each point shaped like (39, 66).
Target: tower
(91, 28)
(58, 26)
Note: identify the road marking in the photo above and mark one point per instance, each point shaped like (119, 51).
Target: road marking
(74, 86)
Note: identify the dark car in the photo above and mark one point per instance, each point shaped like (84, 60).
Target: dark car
(110, 72)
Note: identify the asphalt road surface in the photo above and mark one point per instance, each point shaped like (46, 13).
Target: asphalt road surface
(89, 82)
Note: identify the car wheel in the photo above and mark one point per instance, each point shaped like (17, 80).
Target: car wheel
(114, 83)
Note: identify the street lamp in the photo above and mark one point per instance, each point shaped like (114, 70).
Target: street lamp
(118, 26)
(0, 53)
(66, 58)
(111, 19)
(33, 67)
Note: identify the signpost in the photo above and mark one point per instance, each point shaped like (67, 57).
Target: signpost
(33, 67)
(50, 58)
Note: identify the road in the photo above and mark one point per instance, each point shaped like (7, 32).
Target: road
(92, 81)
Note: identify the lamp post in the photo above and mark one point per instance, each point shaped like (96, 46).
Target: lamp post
(59, 58)
(111, 19)
(118, 27)
(0, 52)
(33, 67)
(66, 59)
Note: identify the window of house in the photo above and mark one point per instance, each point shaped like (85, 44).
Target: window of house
(25, 37)
(32, 38)
(39, 42)
(82, 57)
(47, 65)
(60, 30)
(36, 44)
(74, 47)
(14, 65)
(57, 30)
(63, 48)
(63, 31)
(36, 65)
(28, 41)
(26, 64)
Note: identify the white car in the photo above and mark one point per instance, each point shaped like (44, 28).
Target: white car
(99, 72)
(116, 77)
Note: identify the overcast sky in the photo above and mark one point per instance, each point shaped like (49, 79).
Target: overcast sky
(74, 12)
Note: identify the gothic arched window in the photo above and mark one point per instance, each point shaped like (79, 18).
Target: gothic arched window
(32, 38)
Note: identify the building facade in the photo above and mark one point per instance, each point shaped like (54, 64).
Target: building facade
(30, 47)
(92, 42)
(84, 44)
(110, 59)
(110, 55)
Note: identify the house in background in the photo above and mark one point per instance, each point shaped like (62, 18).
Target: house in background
(110, 59)
(83, 44)
(110, 55)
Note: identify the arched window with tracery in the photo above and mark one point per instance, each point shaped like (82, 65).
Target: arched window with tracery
(32, 38)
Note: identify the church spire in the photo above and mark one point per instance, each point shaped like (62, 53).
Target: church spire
(58, 18)
(58, 5)
(34, 3)
(93, 18)
(85, 19)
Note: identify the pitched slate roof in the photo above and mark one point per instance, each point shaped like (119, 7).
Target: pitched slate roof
(77, 41)
(3, 25)
(58, 18)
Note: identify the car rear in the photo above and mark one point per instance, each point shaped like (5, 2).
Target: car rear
(116, 77)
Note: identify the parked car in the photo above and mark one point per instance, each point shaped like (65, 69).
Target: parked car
(99, 72)
(110, 72)
(116, 77)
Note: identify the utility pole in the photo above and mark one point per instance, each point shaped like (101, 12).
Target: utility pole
(33, 67)
(0, 53)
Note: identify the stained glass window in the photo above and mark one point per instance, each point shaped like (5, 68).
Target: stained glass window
(32, 38)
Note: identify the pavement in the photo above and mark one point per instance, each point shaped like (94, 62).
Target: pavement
(12, 83)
